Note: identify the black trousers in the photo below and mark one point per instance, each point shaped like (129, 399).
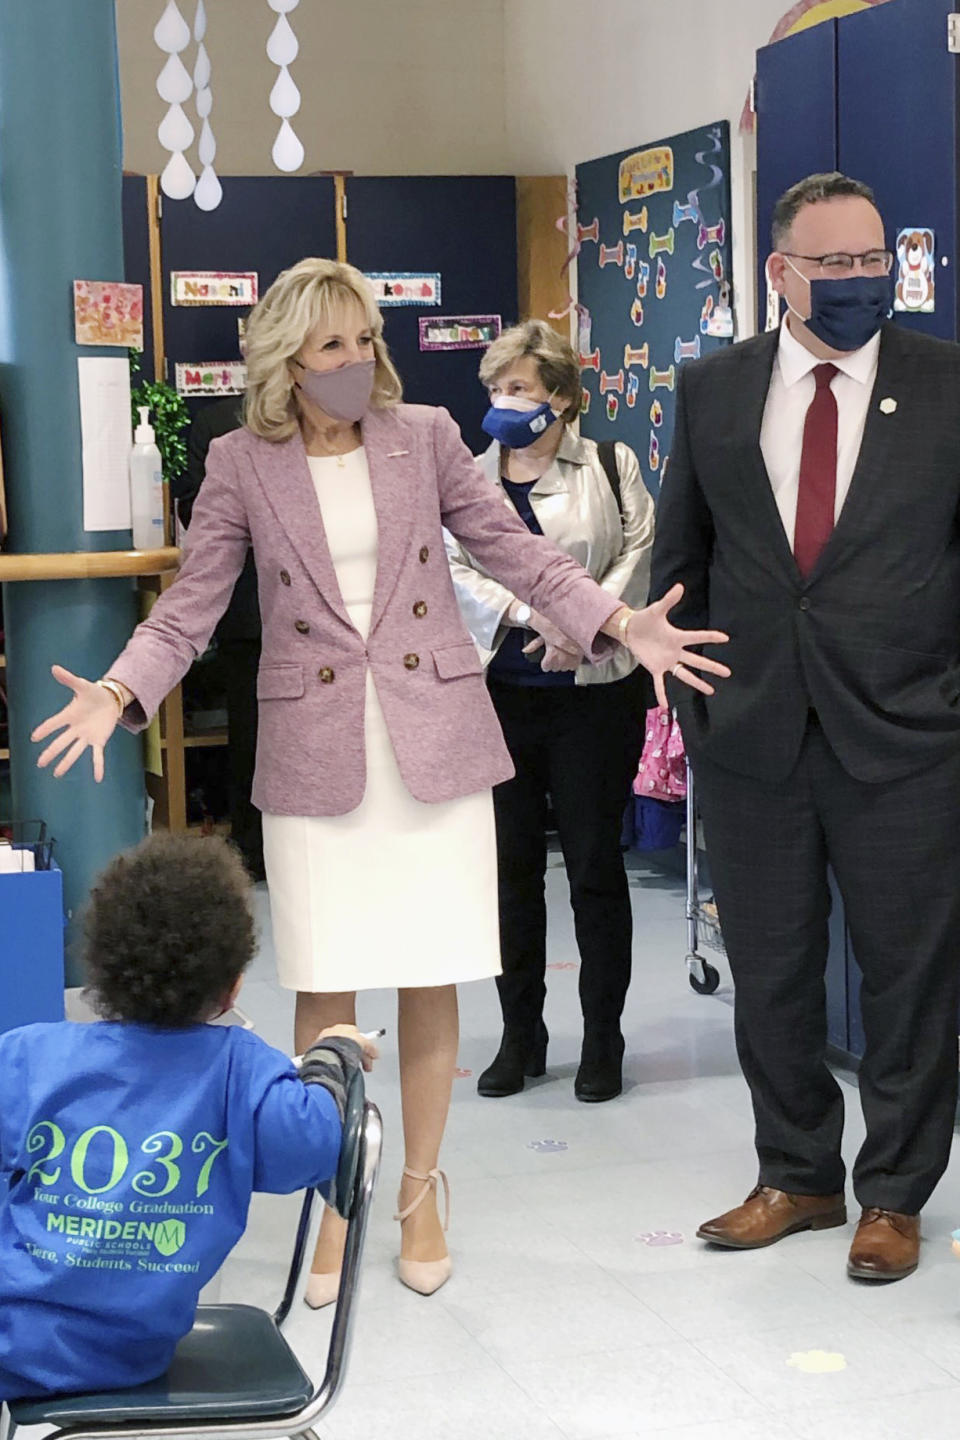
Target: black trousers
(241, 659)
(581, 746)
(894, 851)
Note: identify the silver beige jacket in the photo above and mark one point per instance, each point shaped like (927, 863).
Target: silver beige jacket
(576, 508)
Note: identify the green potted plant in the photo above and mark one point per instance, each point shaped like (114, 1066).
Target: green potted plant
(169, 417)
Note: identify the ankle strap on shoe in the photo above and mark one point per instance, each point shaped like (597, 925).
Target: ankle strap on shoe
(432, 1178)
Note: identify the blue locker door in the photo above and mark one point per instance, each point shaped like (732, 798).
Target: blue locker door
(465, 228)
(897, 91)
(796, 100)
(264, 223)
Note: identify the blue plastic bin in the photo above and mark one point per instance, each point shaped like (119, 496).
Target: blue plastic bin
(31, 947)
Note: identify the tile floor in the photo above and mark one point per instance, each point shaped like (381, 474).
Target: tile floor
(582, 1307)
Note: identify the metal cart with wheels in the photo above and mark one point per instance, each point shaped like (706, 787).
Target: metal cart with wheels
(702, 922)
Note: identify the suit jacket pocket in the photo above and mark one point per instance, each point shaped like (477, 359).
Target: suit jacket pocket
(453, 661)
(280, 682)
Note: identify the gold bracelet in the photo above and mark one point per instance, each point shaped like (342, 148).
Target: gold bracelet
(113, 689)
(622, 625)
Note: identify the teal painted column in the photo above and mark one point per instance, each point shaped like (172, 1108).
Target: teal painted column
(60, 181)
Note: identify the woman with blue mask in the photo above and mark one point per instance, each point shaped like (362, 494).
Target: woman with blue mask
(574, 730)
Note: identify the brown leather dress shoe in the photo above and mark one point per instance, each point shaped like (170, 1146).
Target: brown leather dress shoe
(885, 1247)
(767, 1215)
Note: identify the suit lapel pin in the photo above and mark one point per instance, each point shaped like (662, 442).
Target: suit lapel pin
(888, 406)
(394, 454)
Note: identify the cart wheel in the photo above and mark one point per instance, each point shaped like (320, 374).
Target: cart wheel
(708, 980)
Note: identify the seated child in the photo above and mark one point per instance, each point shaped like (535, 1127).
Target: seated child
(129, 1148)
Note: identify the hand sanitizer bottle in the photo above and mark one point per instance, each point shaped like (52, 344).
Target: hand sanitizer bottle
(146, 487)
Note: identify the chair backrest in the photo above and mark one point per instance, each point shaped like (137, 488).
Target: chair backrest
(342, 1191)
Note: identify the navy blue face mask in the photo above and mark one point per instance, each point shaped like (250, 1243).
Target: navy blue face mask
(845, 314)
(514, 426)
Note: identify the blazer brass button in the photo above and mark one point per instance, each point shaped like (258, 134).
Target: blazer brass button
(301, 627)
(411, 661)
(284, 577)
(420, 609)
(326, 675)
(424, 554)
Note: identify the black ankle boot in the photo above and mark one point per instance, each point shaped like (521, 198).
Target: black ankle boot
(522, 1053)
(600, 1076)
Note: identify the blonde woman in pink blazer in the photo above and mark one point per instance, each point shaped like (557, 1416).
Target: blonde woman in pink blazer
(378, 745)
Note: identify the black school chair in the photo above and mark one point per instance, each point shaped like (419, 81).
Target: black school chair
(234, 1374)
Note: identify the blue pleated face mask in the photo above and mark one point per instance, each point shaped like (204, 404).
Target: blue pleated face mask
(517, 422)
(845, 314)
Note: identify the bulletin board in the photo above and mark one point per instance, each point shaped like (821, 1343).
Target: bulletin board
(653, 270)
(462, 229)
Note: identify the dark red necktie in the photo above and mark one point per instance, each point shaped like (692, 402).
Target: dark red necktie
(817, 496)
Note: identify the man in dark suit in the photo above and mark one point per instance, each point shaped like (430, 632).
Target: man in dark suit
(238, 639)
(811, 510)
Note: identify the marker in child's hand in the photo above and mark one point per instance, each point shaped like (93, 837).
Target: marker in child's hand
(367, 1035)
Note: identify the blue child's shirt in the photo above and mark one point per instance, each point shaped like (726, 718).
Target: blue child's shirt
(128, 1154)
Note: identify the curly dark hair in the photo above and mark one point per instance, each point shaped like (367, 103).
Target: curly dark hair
(168, 930)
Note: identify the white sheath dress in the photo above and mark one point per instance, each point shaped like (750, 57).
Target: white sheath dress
(397, 893)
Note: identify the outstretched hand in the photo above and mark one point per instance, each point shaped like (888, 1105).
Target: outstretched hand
(88, 720)
(661, 647)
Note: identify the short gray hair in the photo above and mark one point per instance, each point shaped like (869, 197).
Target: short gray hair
(811, 191)
(558, 365)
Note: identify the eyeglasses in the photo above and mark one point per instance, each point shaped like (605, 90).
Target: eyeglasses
(873, 262)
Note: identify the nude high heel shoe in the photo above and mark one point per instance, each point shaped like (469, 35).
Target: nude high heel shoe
(426, 1276)
(322, 1289)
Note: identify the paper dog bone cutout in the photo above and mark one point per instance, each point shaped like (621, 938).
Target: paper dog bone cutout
(663, 379)
(589, 232)
(630, 265)
(636, 356)
(591, 361)
(690, 211)
(636, 313)
(613, 407)
(644, 279)
(662, 243)
(610, 254)
(686, 350)
(637, 221)
(654, 456)
(711, 234)
(611, 382)
(633, 389)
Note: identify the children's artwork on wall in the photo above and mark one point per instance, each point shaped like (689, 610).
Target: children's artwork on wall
(107, 312)
(916, 276)
(655, 283)
(405, 287)
(213, 287)
(458, 332)
(211, 377)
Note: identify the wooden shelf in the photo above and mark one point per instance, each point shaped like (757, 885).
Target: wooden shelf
(89, 564)
(202, 742)
(4, 754)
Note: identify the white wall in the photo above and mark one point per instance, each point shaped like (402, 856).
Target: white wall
(467, 86)
(388, 88)
(625, 72)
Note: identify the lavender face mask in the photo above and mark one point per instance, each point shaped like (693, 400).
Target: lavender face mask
(342, 394)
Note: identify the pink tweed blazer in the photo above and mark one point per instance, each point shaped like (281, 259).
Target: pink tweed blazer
(310, 689)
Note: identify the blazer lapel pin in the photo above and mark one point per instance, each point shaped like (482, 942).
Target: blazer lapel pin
(393, 454)
(888, 406)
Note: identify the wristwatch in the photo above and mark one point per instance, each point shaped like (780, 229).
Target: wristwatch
(522, 616)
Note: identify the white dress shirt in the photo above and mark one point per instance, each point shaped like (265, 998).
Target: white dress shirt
(792, 388)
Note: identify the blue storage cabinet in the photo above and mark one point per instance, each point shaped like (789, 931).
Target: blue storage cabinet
(31, 948)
